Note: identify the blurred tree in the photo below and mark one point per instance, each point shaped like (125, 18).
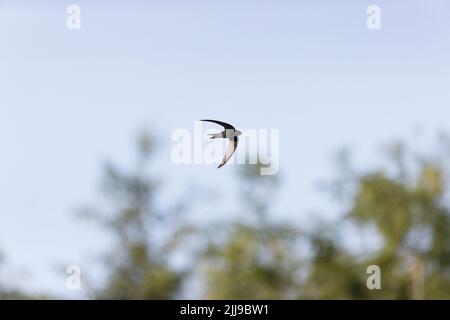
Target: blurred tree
(138, 266)
(415, 227)
(407, 204)
(255, 260)
(333, 273)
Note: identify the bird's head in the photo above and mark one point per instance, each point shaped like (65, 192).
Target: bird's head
(237, 133)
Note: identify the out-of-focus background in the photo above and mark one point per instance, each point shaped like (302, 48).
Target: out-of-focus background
(87, 179)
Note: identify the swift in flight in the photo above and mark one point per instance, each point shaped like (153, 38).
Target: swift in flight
(230, 133)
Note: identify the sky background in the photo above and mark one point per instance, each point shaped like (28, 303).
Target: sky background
(70, 100)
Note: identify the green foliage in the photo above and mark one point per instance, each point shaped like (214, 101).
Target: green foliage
(333, 274)
(137, 276)
(254, 261)
(137, 268)
(260, 259)
(413, 219)
(405, 202)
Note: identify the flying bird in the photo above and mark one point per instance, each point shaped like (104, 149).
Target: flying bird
(230, 133)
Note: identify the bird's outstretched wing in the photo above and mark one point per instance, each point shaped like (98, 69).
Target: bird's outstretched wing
(223, 124)
(230, 150)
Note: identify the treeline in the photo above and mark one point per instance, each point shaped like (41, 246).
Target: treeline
(402, 205)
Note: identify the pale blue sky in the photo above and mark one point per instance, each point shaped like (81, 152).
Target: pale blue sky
(71, 99)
